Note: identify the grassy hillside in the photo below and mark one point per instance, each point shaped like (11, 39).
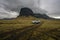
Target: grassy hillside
(22, 22)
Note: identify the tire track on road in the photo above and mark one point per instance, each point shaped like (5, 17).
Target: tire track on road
(54, 33)
(15, 36)
(3, 34)
(20, 33)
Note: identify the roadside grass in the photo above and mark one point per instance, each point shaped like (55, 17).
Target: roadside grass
(51, 24)
(21, 22)
(46, 27)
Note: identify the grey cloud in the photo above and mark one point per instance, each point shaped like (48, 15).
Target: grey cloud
(52, 6)
(11, 8)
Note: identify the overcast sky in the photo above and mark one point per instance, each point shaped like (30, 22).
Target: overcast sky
(52, 6)
(10, 8)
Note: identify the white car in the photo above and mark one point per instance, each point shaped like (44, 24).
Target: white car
(36, 21)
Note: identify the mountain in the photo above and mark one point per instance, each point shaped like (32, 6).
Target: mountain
(38, 15)
(28, 12)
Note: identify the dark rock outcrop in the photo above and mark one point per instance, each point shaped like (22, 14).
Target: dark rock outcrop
(26, 12)
(38, 15)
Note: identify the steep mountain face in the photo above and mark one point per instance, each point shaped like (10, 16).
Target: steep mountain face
(38, 15)
(26, 12)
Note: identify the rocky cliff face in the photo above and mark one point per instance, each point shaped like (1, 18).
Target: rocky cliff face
(26, 12)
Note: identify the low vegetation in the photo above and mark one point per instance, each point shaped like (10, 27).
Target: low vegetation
(21, 22)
